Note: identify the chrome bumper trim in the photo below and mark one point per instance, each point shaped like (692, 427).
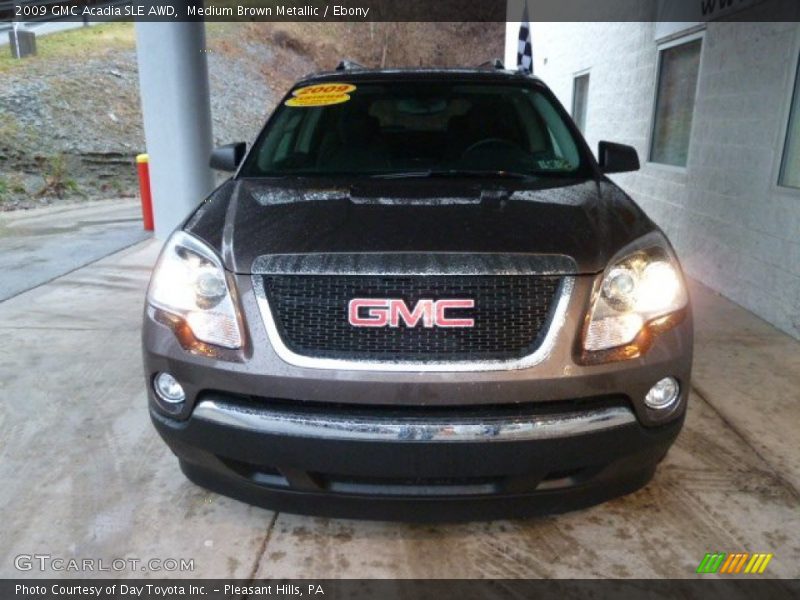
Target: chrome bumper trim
(296, 424)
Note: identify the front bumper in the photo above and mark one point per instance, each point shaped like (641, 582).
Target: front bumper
(416, 468)
(239, 432)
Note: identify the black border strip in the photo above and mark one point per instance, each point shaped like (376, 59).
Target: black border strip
(733, 588)
(400, 10)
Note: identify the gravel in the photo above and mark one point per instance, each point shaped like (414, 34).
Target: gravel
(85, 114)
(77, 121)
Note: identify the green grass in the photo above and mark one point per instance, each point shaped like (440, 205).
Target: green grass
(75, 44)
(9, 128)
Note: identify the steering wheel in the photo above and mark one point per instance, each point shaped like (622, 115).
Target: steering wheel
(491, 142)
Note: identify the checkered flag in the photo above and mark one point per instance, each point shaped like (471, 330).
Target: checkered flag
(524, 48)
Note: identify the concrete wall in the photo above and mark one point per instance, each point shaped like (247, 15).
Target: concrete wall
(734, 228)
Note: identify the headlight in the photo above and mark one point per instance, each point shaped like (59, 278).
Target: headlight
(641, 292)
(189, 283)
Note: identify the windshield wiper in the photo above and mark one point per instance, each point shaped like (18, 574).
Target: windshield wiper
(452, 173)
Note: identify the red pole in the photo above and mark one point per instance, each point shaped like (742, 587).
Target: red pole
(143, 170)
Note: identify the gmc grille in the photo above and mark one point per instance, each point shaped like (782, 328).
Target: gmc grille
(511, 313)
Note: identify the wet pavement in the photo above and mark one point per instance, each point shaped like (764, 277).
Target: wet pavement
(39, 245)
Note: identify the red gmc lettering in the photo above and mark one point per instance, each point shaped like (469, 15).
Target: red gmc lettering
(383, 312)
(422, 311)
(377, 316)
(443, 321)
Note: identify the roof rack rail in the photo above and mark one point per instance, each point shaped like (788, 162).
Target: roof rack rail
(347, 65)
(492, 64)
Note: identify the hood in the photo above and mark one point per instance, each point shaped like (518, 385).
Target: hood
(588, 220)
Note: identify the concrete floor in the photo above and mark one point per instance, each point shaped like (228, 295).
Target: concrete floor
(41, 244)
(84, 474)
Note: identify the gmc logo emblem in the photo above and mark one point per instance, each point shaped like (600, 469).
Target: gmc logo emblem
(388, 312)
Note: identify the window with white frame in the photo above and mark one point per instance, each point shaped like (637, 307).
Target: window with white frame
(678, 67)
(790, 164)
(580, 100)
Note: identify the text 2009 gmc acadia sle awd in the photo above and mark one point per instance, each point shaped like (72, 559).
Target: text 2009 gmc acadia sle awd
(419, 297)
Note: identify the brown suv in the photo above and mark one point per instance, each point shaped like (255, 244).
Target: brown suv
(419, 297)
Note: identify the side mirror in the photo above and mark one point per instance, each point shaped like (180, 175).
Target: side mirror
(227, 157)
(617, 158)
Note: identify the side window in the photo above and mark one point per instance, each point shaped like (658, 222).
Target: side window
(678, 67)
(790, 164)
(580, 100)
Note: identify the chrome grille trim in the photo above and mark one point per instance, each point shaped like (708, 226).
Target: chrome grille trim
(382, 429)
(312, 362)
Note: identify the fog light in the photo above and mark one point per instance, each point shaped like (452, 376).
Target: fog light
(663, 394)
(168, 389)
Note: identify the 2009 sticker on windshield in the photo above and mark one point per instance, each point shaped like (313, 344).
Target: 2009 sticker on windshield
(321, 94)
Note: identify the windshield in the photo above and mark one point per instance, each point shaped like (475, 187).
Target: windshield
(415, 128)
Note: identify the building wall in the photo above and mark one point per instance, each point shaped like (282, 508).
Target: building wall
(733, 227)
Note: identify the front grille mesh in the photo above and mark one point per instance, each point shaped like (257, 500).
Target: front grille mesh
(511, 316)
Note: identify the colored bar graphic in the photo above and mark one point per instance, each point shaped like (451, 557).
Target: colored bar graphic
(741, 562)
(734, 563)
(711, 562)
(730, 564)
(758, 563)
(727, 564)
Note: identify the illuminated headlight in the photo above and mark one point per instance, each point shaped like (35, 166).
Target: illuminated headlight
(640, 286)
(189, 283)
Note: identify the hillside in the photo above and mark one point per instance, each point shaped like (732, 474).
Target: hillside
(70, 122)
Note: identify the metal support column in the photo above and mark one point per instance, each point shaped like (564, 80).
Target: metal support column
(173, 80)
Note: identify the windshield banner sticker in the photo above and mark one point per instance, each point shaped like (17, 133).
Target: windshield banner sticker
(321, 95)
